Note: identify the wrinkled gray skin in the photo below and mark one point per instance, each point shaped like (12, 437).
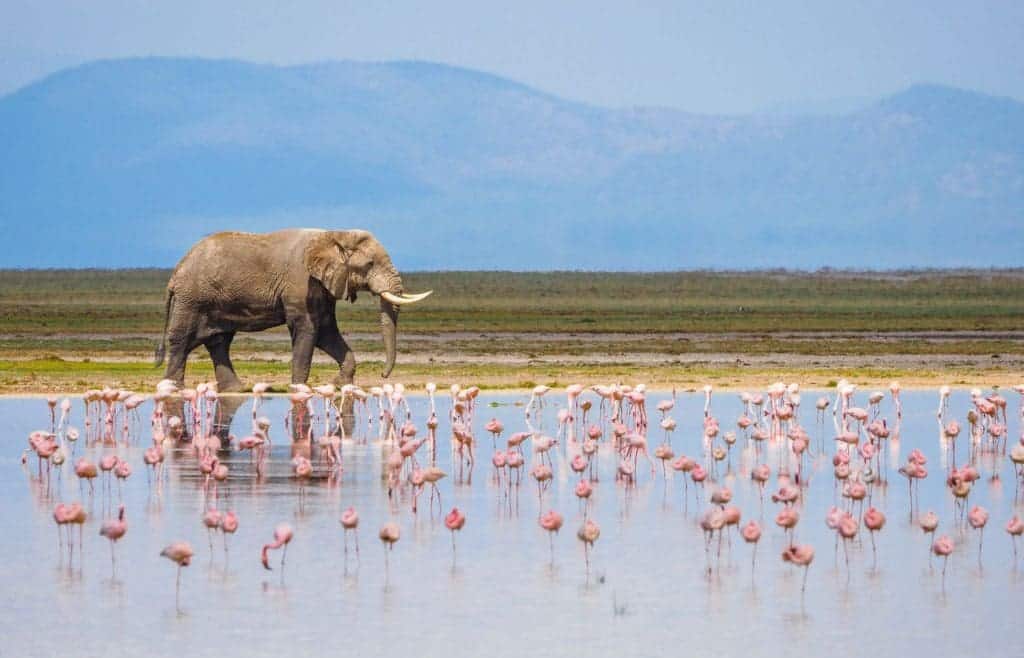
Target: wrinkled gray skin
(230, 282)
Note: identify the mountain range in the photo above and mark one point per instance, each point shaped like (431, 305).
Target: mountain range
(125, 163)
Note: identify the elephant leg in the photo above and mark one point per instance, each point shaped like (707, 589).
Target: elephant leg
(177, 355)
(181, 340)
(219, 346)
(331, 341)
(303, 341)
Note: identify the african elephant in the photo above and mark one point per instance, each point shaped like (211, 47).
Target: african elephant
(230, 282)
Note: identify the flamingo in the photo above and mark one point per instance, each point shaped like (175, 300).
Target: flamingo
(801, 556)
(180, 552)
(212, 520)
(977, 518)
(874, 520)
(389, 535)
(113, 530)
(751, 534)
(259, 390)
(943, 547)
(454, 521)
(711, 522)
(282, 537)
(552, 522)
(537, 398)
(1015, 528)
(588, 534)
(228, 526)
(350, 522)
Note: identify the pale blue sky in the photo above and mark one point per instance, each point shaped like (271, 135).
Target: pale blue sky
(722, 56)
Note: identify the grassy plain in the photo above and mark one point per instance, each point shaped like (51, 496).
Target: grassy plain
(64, 330)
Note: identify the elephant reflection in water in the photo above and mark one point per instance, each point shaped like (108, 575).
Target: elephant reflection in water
(227, 407)
(298, 427)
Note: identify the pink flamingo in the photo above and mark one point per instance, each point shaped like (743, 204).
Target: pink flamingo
(752, 534)
(894, 388)
(107, 464)
(583, 490)
(977, 518)
(152, 457)
(874, 520)
(588, 534)
(212, 520)
(552, 522)
(180, 552)
(928, 523)
(537, 398)
(787, 518)
(454, 521)
(786, 495)
(113, 530)
(698, 475)
(800, 556)
(76, 515)
(259, 389)
(760, 474)
(495, 428)
(389, 535)
(303, 472)
(282, 537)
(516, 440)
(665, 454)
(711, 522)
(122, 471)
(228, 526)
(542, 474)
(432, 475)
(62, 517)
(1015, 528)
(847, 529)
(86, 470)
(498, 460)
(943, 547)
(350, 523)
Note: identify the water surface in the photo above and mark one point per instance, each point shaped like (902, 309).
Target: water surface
(647, 591)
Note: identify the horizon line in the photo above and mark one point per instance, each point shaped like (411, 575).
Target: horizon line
(763, 111)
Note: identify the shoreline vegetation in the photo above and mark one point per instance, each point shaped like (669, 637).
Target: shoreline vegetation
(66, 330)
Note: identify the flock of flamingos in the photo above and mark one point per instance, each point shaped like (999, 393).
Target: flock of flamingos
(610, 420)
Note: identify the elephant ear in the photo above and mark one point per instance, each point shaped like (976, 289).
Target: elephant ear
(327, 261)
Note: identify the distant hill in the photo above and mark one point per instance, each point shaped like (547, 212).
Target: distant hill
(127, 162)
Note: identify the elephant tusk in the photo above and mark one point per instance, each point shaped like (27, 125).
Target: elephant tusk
(398, 300)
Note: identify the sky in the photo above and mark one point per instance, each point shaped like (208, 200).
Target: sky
(724, 56)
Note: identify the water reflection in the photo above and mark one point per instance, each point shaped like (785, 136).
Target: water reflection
(647, 568)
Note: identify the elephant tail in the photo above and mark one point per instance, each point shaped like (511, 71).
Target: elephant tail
(161, 348)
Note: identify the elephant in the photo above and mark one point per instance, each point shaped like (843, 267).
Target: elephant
(234, 281)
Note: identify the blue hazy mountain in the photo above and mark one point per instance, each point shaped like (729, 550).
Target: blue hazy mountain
(127, 162)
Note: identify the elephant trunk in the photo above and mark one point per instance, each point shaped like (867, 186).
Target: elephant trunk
(387, 280)
(389, 333)
(387, 283)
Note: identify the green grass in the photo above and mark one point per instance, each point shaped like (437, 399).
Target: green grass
(131, 301)
(76, 328)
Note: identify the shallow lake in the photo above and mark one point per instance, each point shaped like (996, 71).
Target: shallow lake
(647, 590)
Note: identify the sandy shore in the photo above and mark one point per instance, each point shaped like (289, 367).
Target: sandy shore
(510, 373)
(514, 362)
